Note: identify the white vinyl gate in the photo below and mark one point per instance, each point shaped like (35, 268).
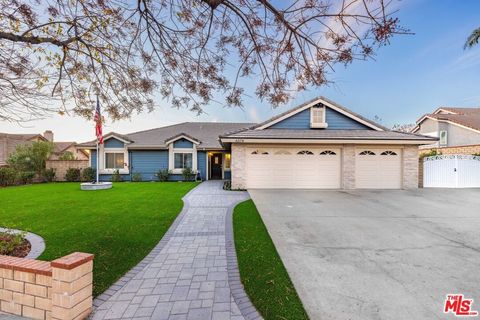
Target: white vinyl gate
(451, 171)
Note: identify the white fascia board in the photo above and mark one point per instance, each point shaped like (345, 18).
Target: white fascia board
(328, 141)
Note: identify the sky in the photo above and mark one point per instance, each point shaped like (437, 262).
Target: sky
(412, 76)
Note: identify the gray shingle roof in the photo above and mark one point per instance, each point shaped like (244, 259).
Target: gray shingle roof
(205, 132)
(326, 134)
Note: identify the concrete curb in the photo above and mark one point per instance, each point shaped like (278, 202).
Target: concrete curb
(37, 243)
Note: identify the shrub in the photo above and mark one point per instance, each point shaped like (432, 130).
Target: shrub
(136, 177)
(67, 155)
(188, 174)
(10, 240)
(30, 157)
(162, 175)
(116, 177)
(25, 177)
(476, 154)
(431, 153)
(49, 175)
(89, 174)
(227, 185)
(7, 176)
(72, 175)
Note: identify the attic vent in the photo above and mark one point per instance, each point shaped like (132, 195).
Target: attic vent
(317, 118)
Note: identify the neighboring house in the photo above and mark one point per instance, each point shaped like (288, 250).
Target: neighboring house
(319, 144)
(454, 127)
(9, 142)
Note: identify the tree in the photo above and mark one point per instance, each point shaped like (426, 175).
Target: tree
(473, 39)
(67, 155)
(65, 52)
(406, 127)
(31, 157)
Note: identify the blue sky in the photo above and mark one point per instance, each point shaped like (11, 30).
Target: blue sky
(414, 75)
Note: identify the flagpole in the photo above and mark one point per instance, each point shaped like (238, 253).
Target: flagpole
(98, 155)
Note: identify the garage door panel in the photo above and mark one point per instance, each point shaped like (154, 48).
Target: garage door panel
(297, 171)
(378, 169)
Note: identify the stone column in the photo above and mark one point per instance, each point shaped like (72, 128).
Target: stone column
(72, 280)
(410, 167)
(348, 167)
(238, 166)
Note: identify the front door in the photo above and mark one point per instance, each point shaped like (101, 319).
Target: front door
(216, 166)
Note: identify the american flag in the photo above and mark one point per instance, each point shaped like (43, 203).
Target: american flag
(98, 123)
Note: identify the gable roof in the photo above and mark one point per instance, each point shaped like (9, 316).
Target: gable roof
(22, 136)
(326, 102)
(464, 117)
(206, 133)
(182, 136)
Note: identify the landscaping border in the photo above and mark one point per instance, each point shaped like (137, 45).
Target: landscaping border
(247, 309)
(36, 242)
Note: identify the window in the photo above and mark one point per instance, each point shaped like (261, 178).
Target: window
(317, 117)
(259, 152)
(114, 160)
(282, 152)
(182, 160)
(327, 153)
(228, 160)
(388, 153)
(305, 152)
(367, 153)
(443, 138)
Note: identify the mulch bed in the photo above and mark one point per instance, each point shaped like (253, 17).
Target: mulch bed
(19, 251)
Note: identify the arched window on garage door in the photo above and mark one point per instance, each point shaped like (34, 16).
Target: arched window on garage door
(259, 152)
(367, 153)
(388, 153)
(328, 153)
(305, 152)
(282, 152)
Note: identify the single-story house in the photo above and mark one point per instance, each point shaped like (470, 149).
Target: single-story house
(454, 127)
(318, 144)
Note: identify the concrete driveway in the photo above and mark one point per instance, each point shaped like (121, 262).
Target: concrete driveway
(376, 254)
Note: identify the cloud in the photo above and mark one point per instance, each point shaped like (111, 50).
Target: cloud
(253, 114)
(467, 59)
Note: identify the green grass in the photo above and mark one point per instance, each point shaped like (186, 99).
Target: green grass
(263, 275)
(120, 226)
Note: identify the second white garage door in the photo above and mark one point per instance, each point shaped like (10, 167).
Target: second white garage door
(378, 168)
(293, 168)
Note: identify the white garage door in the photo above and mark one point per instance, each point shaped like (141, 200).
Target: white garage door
(293, 168)
(378, 168)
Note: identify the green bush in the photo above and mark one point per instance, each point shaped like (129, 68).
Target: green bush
(72, 175)
(10, 240)
(49, 175)
(25, 177)
(116, 177)
(431, 153)
(188, 174)
(67, 155)
(7, 176)
(137, 177)
(89, 174)
(31, 157)
(476, 154)
(162, 175)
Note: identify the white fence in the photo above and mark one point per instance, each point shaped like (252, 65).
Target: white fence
(451, 171)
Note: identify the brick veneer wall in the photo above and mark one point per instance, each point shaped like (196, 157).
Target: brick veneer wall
(470, 149)
(61, 167)
(61, 289)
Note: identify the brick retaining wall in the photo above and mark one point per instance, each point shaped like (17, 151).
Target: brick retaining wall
(470, 149)
(61, 167)
(61, 289)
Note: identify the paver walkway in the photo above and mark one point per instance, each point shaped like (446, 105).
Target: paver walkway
(192, 273)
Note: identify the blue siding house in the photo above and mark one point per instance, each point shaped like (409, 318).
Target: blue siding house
(216, 150)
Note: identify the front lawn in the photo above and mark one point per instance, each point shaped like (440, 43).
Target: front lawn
(263, 275)
(120, 226)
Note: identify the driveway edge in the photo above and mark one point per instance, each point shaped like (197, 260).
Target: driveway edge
(241, 298)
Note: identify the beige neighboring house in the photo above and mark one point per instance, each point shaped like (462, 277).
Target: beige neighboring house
(9, 142)
(458, 129)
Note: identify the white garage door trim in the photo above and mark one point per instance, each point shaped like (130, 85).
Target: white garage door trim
(301, 167)
(378, 168)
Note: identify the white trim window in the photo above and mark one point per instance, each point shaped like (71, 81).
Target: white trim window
(182, 160)
(317, 118)
(443, 138)
(114, 160)
(227, 161)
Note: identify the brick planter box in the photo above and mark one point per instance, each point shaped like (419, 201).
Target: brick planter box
(61, 289)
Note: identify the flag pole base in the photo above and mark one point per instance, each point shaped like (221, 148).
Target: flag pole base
(92, 186)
